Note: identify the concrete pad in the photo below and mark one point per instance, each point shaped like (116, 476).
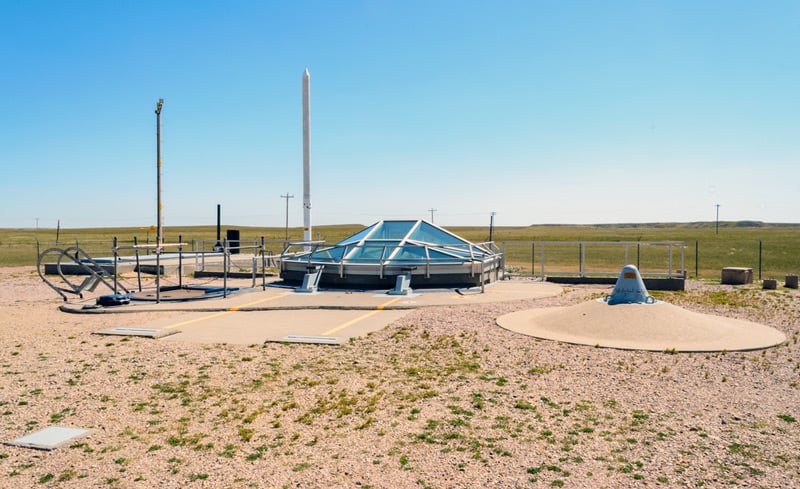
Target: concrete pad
(309, 340)
(256, 316)
(142, 332)
(653, 327)
(282, 298)
(255, 327)
(49, 438)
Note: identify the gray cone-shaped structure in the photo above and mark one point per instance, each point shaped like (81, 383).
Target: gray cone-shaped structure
(630, 288)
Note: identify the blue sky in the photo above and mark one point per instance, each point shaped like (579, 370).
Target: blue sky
(541, 111)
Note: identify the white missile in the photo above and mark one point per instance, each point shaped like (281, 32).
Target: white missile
(306, 156)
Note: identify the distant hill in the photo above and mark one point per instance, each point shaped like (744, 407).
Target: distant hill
(686, 225)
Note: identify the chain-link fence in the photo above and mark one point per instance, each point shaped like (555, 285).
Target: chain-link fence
(704, 258)
(594, 258)
(699, 259)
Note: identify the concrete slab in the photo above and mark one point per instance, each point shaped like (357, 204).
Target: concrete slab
(274, 298)
(274, 314)
(653, 327)
(142, 332)
(50, 438)
(255, 327)
(311, 340)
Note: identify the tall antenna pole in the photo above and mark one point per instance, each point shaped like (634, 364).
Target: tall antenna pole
(159, 217)
(431, 210)
(306, 156)
(287, 197)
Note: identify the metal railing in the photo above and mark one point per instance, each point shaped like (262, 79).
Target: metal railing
(132, 252)
(382, 255)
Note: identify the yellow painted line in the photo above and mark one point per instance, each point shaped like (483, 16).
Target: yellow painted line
(361, 318)
(382, 306)
(236, 308)
(196, 320)
(222, 313)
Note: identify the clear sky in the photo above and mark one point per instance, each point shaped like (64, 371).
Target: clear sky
(542, 111)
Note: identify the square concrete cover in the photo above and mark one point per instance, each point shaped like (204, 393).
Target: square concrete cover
(312, 340)
(143, 332)
(49, 438)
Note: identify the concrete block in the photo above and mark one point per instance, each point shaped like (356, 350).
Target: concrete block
(402, 285)
(310, 281)
(737, 276)
(791, 281)
(770, 284)
(150, 269)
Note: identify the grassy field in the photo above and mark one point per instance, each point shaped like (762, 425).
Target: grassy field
(736, 244)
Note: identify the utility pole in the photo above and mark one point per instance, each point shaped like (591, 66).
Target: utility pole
(717, 218)
(491, 226)
(306, 156)
(287, 197)
(159, 217)
(431, 210)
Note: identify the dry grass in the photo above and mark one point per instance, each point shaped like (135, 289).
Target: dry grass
(735, 245)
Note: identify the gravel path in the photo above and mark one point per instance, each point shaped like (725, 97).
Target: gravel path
(442, 398)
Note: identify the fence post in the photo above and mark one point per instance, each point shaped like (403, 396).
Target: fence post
(115, 265)
(638, 249)
(669, 272)
(542, 260)
(138, 268)
(759, 259)
(225, 263)
(180, 261)
(255, 269)
(263, 266)
(683, 260)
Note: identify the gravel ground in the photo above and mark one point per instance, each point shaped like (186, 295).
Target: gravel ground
(442, 398)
